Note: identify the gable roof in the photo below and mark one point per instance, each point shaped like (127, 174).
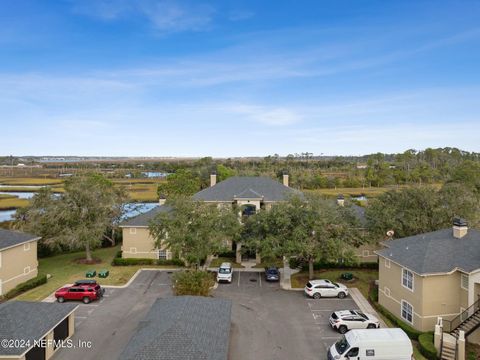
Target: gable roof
(182, 328)
(435, 252)
(145, 218)
(10, 238)
(247, 187)
(29, 321)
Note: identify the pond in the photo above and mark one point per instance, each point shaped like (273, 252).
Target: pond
(23, 186)
(131, 210)
(19, 194)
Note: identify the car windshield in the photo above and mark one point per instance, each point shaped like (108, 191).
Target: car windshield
(336, 285)
(224, 271)
(342, 345)
(272, 271)
(334, 316)
(362, 315)
(309, 284)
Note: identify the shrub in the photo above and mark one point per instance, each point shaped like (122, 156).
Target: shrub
(295, 263)
(118, 261)
(193, 282)
(227, 254)
(319, 265)
(426, 346)
(27, 285)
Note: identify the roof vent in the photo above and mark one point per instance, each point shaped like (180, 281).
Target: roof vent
(213, 178)
(285, 178)
(460, 227)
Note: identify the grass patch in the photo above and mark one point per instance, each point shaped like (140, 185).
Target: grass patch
(65, 270)
(29, 181)
(7, 196)
(12, 203)
(361, 278)
(218, 261)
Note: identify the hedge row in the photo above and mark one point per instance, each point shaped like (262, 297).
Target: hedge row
(119, 261)
(27, 285)
(427, 347)
(296, 263)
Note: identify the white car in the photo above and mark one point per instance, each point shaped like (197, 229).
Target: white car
(345, 320)
(225, 273)
(325, 288)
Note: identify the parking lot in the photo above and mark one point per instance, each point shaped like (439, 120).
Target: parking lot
(110, 322)
(271, 323)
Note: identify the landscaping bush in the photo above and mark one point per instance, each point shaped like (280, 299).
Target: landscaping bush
(295, 263)
(193, 282)
(27, 285)
(227, 254)
(426, 346)
(320, 265)
(118, 261)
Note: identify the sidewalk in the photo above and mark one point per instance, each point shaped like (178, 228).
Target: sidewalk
(286, 274)
(364, 305)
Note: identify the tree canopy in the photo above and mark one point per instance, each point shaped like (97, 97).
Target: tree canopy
(181, 183)
(194, 230)
(76, 219)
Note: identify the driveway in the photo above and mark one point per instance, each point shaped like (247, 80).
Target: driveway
(269, 323)
(110, 322)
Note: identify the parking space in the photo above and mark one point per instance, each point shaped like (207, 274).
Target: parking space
(271, 323)
(110, 322)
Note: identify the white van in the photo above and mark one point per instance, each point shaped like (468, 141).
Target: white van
(373, 344)
(225, 272)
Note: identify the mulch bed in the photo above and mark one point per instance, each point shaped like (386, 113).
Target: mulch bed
(84, 261)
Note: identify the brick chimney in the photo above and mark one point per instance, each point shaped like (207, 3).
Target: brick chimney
(213, 178)
(285, 178)
(162, 199)
(340, 200)
(460, 228)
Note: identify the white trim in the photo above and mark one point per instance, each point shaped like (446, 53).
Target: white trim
(26, 247)
(21, 243)
(132, 226)
(387, 261)
(365, 253)
(462, 277)
(386, 291)
(133, 231)
(22, 274)
(1, 259)
(133, 250)
(412, 311)
(26, 270)
(404, 270)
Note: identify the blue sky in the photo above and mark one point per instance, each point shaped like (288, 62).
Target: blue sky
(238, 78)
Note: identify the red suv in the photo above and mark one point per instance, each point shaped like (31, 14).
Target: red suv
(82, 292)
(90, 283)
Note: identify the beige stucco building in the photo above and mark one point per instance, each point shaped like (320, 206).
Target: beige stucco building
(37, 329)
(18, 259)
(432, 275)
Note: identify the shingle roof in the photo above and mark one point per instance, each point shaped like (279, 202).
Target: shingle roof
(435, 252)
(182, 328)
(29, 321)
(247, 187)
(11, 238)
(145, 218)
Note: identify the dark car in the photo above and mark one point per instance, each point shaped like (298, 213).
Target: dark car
(90, 283)
(272, 274)
(83, 293)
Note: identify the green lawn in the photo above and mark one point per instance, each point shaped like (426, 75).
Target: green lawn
(218, 261)
(362, 278)
(65, 270)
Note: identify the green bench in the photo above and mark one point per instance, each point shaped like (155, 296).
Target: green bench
(90, 273)
(347, 276)
(103, 273)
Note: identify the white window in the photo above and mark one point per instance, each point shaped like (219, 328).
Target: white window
(0, 259)
(162, 255)
(26, 270)
(26, 247)
(387, 263)
(366, 253)
(133, 231)
(386, 290)
(133, 250)
(407, 279)
(464, 281)
(407, 312)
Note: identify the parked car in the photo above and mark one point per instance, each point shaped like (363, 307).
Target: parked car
(325, 288)
(225, 272)
(90, 283)
(272, 274)
(83, 293)
(377, 344)
(345, 320)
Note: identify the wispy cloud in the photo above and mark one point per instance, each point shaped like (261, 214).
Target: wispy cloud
(166, 16)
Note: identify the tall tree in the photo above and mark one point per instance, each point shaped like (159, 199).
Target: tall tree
(312, 229)
(76, 219)
(181, 183)
(194, 229)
